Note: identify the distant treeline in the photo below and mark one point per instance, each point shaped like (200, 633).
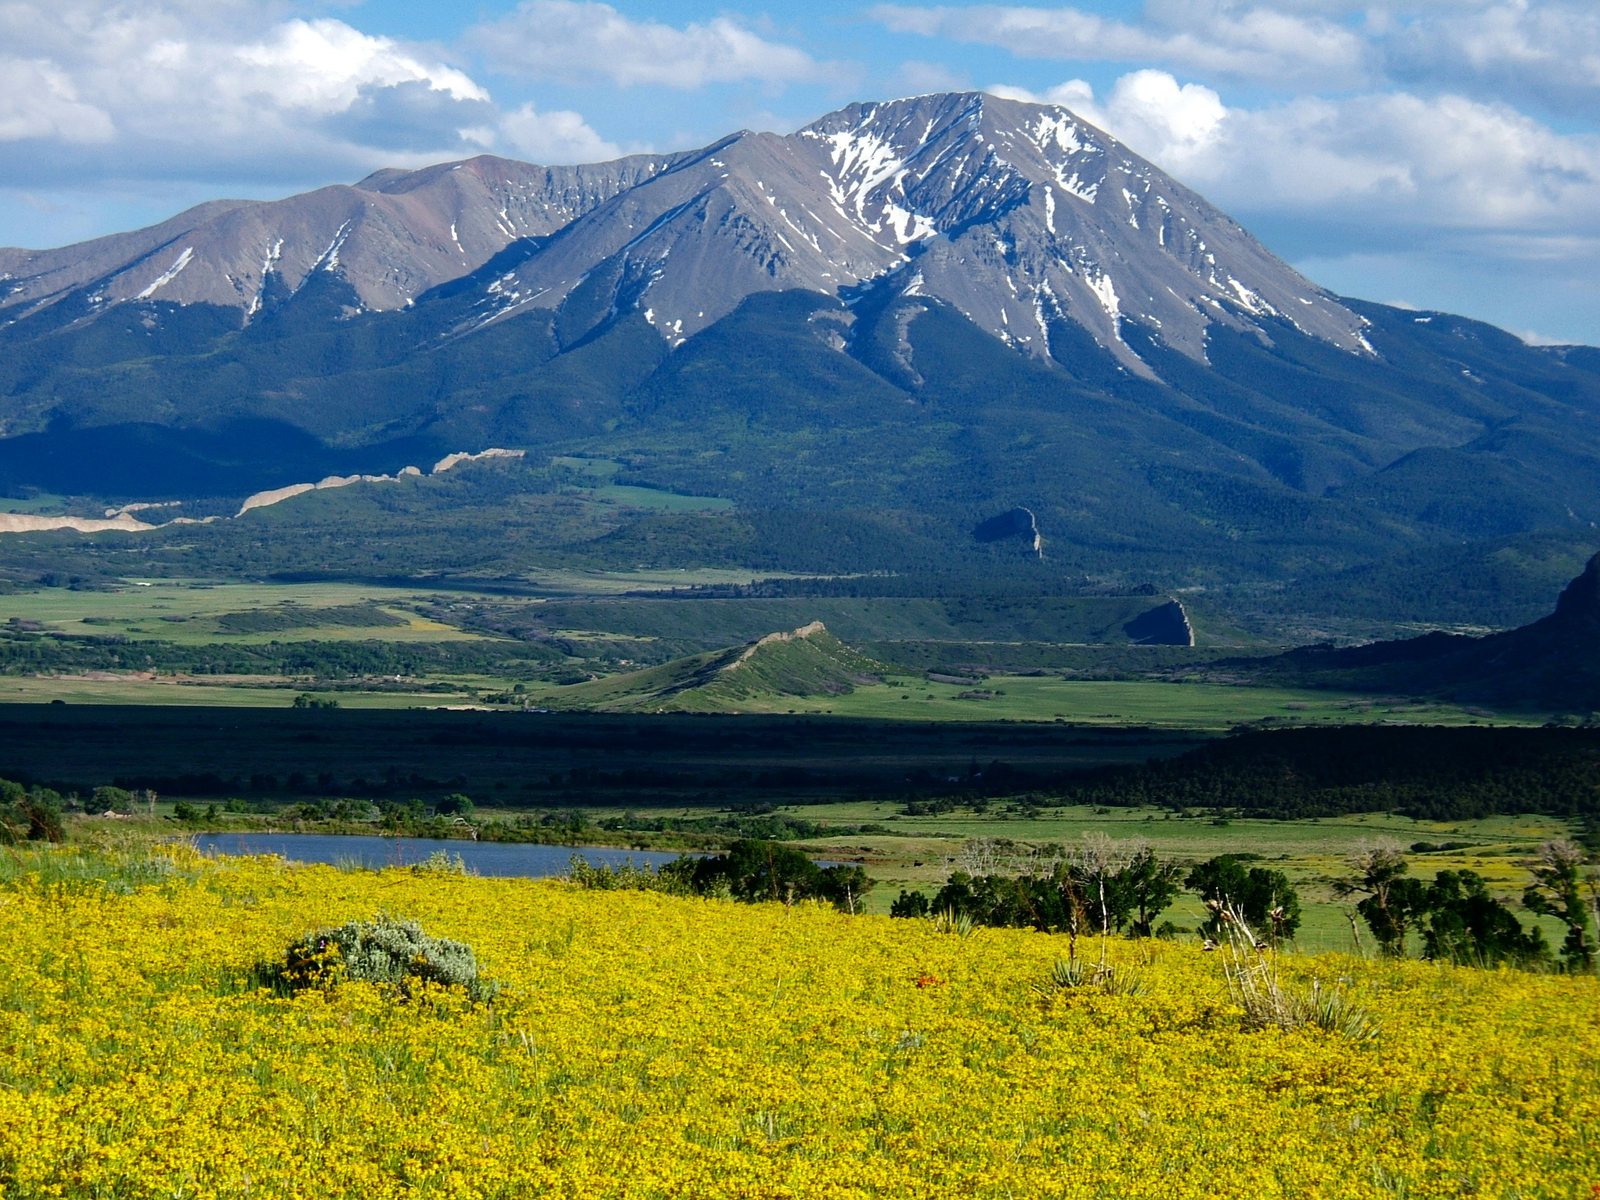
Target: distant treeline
(1426, 773)
(28, 652)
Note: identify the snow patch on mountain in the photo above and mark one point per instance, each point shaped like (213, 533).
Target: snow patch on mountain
(169, 274)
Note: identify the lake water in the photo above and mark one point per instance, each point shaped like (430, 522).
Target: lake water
(482, 858)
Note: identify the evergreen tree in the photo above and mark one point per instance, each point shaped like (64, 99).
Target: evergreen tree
(1558, 890)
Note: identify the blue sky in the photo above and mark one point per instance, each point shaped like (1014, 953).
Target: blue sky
(1435, 153)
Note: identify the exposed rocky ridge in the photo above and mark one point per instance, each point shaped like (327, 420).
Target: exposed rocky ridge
(1017, 524)
(808, 661)
(1021, 216)
(122, 519)
(390, 237)
(1551, 664)
(1164, 625)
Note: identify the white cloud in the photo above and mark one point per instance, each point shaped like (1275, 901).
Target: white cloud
(553, 137)
(1167, 122)
(179, 89)
(322, 66)
(1540, 52)
(38, 100)
(582, 40)
(1411, 161)
(1547, 53)
(1394, 160)
(1218, 36)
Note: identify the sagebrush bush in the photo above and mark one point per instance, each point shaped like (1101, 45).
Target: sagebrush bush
(392, 953)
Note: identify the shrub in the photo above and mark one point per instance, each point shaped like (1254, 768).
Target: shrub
(392, 953)
(1253, 983)
(674, 878)
(440, 862)
(29, 815)
(1069, 974)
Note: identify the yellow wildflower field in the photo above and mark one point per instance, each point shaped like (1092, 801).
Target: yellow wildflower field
(651, 1046)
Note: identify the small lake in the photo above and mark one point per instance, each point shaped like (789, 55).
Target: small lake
(482, 858)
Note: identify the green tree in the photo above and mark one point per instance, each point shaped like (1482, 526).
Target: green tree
(844, 886)
(1152, 885)
(29, 814)
(758, 870)
(108, 799)
(1559, 890)
(1468, 925)
(1391, 902)
(910, 904)
(454, 805)
(1265, 898)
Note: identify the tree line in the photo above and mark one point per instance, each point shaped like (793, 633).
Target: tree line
(1429, 773)
(1104, 887)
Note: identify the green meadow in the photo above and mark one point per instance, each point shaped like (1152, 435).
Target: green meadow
(1117, 702)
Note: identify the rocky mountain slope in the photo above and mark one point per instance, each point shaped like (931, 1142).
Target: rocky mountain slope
(872, 335)
(389, 238)
(1020, 216)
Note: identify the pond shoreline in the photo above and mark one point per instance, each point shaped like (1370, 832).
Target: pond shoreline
(527, 860)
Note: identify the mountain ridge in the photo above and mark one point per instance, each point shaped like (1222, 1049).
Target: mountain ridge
(1551, 663)
(849, 201)
(807, 661)
(869, 336)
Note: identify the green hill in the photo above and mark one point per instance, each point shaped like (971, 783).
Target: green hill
(808, 661)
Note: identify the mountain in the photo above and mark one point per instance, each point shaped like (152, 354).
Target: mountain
(871, 336)
(389, 238)
(1550, 664)
(1019, 216)
(808, 661)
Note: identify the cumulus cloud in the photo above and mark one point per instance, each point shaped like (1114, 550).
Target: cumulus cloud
(1150, 111)
(324, 65)
(554, 137)
(227, 90)
(580, 40)
(1544, 53)
(1401, 161)
(1216, 36)
(1414, 161)
(38, 100)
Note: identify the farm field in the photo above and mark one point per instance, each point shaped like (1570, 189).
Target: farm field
(649, 1046)
(190, 613)
(1108, 703)
(187, 611)
(144, 688)
(1116, 702)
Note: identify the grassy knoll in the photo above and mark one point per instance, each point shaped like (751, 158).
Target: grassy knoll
(806, 662)
(655, 498)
